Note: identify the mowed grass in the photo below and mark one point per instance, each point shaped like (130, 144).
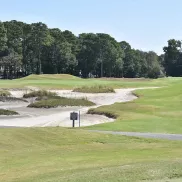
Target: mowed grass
(156, 110)
(7, 112)
(70, 82)
(62, 155)
(94, 89)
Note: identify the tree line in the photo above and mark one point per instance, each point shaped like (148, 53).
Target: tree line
(35, 49)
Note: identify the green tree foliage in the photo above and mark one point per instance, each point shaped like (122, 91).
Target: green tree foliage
(11, 60)
(140, 64)
(14, 35)
(88, 53)
(39, 37)
(34, 48)
(3, 39)
(11, 63)
(153, 66)
(72, 40)
(172, 58)
(111, 55)
(58, 56)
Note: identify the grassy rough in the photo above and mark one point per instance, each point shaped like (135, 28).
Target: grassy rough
(94, 89)
(12, 99)
(4, 93)
(105, 113)
(40, 93)
(7, 112)
(62, 155)
(156, 110)
(52, 102)
(40, 98)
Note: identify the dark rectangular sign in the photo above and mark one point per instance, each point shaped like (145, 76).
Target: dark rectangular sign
(73, 116)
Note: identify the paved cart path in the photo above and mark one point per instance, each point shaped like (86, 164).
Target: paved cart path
(143, 135)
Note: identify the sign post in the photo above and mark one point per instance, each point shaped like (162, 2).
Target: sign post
(73, 123)
(79, 119)
(73, 117)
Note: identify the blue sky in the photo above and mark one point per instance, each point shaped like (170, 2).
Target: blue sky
(145, 24)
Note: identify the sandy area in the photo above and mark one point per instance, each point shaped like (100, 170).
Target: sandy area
(30, 117)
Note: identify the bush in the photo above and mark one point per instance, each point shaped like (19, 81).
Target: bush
(40, 93)
(105, 113)
(7, 112)
(94, 89)
(4, 93)
(47, 97)
(11, 99)
(60, 101)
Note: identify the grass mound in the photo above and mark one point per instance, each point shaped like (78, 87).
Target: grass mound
(7, 112)
(11, 99)
(94, 89)
(64, 81)
(51, 77)
(40, 93)
(41, 98)
(55, 101)
(4, 93)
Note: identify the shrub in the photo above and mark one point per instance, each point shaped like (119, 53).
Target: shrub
(11, 99)
(47, 97)
(40, 93)
(94, 89)
(105, 113)
(60, 101)
(7, 112)
(4, 93)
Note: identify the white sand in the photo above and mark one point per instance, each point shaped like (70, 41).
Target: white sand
(31, 117)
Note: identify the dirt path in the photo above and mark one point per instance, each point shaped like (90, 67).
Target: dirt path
(30, 117)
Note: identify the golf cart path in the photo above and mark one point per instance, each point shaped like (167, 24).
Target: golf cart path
(143, 135)
(31, 117)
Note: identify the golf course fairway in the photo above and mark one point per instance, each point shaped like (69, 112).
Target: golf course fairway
(77, 155)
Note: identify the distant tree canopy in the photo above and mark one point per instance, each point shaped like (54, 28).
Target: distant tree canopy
(34, 49)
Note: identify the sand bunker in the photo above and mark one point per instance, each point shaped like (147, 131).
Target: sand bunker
(31, 117)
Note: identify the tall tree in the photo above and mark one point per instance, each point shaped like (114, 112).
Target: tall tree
(3, 45)
(58, 56)
(72, 40)
(13, 58)
(27, 49)
(172, 54)
(14, 35)
(39, 37)
(34, 48)
(88, 53)
(125, 46)
(3, 39)
(130, 63)
(153, 66)
(11, 64)
(111, 55)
